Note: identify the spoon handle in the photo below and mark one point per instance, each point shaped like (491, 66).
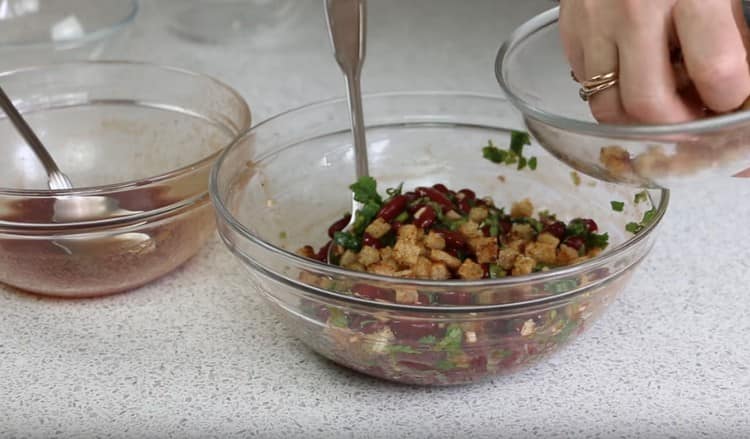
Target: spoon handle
(347, 27)
(57, 180)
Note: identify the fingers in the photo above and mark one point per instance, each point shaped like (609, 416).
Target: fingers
(714, 52)
(571, 42)
(600, 57)
(648, 84)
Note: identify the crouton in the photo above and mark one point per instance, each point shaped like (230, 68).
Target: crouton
(422, 268)
(470, 270)
(470, 229)
(544, 253)
(378, 228)
(507, 257)
(566, 255)
(368, 255)
(485, 248)
(307, 252)
(522, 208)
(523, 231)
(439, 271)
(406, 252)
(548, 238)
(434, 240)
(348, 258)
(478, 214)
(449, 260)
(523, 265)
(409, 233)
(407, 296)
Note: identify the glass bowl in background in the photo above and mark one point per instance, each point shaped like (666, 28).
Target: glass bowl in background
(281, 184)
(42, 31)
(141, 137)
(533, 71)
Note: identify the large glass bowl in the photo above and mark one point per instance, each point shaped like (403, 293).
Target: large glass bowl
(280, 185)
(532, 70)
(37, 32)
(137, 141)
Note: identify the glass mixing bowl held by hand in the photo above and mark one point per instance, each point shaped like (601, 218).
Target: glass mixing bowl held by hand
(140, 137)
(280, 186)
(533, 71)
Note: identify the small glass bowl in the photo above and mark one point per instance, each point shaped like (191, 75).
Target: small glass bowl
(281, 184)
(534, 73)
(41, 31)
(139, 137)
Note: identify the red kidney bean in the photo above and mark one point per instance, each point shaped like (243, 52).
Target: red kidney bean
(424, 298)
(464, 206)
(393, 208)
(411, 196)
(339, 225)
(323, 313)
(575, 242)
(590, 224)
(374, 293)
(486, 231)
(436, 196)
(504, 227)
(485, 271)
(415, 330)
(478, 364)
(370, 240)
(453, 240)
(454, 298)
(322, 254)
(556, 229)
(441, 188)
(425, 217)
(413, 208)
(467, 194)
(395, 226)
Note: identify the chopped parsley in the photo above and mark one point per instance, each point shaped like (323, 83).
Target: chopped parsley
(282, 235)
(640, 197)
(451, 343)
(366, 191)
(576, 177)
(648, 216)
(348, 241)
(514, 154)
(617, 206)
(597, 240)
(496, 272)
(427, 339)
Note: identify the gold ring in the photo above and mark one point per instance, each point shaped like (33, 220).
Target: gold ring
(587, 91)
(598, 80)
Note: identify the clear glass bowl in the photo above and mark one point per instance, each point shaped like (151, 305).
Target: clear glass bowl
(280, 185)
(141, 137)
(532, 70)
(41, 31)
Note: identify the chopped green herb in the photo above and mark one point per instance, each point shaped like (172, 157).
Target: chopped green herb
(401, 349)
(546, 216)
(364, 217)
(640, 197)
(455, 225)
(532, 163)
(519, 139)
(648, 216)
(594, 240)
(522, 162)
(576, 228)
(617, 206)
(337, 317)
(445, 365)
(452, 341)
(496, 272)
(428, 339)
(282, 235)
(366, 190)
(394, 191)
(561, 286)
(348, 241)
(493, 153)
(576, 178)
(402, 217)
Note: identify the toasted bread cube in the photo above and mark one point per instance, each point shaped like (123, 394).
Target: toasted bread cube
(544, 253)
(407, 296)
(470, 270)
(378, 228)
(439, 271)
(566, 255)
(616, 160)
(386, 253)
(487, 297)
(409, 233)
(507, 257)
(548, 238)
(485, 248)
(368, 255)
(382, 268)
(594, 252)
(406, 252)
(407, 273)
(517, 245)
(523, 265)
(434, 240)
(478, 214)
(523, 208)
(523, 231)
(470, 229)
(307, 252)
(348, 258)
(356, 267)
(422, 268)
(449, 260)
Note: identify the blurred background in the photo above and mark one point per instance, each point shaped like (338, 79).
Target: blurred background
(275, 52)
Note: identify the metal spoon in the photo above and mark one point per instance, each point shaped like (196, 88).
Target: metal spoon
(347, 28)
(68, 208)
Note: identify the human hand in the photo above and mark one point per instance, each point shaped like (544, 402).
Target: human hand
(637, 39)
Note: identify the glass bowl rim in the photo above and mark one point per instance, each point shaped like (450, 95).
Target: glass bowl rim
(631, 131)
(130, 184)
(304, 263)
(95, 35)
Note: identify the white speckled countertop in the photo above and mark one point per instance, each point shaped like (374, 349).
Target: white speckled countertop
(196, 354)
